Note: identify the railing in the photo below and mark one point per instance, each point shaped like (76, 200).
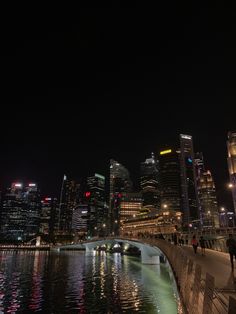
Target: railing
(198, 295)
(214, 242)
(23, 246)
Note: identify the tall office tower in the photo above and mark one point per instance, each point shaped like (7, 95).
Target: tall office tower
(199, 170)
(80, 219)
(199, 165)
(49, 216)
(119, 183)
(150, 185)
(190, 203)
(208, 201)
(68, 201)
(20, 215)
(170, 179)
(33, 199)
(13, 215)
(130, 206)
(231, 145)
(95, 196)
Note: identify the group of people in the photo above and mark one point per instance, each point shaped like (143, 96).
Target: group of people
(230, 243)
(202, 243)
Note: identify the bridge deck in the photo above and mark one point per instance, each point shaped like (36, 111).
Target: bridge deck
(217, 264)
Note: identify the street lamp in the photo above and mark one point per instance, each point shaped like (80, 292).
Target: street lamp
(223, 217)
(95, 231)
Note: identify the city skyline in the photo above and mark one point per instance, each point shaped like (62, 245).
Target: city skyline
(53, 189)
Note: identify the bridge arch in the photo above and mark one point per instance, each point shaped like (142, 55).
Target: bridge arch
(149, 254)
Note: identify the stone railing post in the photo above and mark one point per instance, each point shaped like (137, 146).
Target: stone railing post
(196, 289)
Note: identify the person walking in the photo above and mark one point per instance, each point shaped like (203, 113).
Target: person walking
(231, 244)
(194, 244)
(202, 245)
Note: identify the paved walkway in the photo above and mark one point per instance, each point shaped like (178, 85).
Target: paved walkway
(218, 265)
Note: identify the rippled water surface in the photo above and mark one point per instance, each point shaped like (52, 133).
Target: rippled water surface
(73, 282)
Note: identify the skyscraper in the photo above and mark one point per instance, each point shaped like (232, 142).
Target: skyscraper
(190, 204)
(231, 146)
(119, 183)
(33, 199)
(199, 164)
(150, 185)
(96, 200)
(208, 201)
(80, 220)
(13, 215)
(20, 216)
(49, 219)
(68, 201)
(170, 179)
(199, 170)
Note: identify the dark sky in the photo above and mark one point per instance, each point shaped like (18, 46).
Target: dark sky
(116, 82)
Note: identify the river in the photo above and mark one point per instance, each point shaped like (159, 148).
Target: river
(74, 282)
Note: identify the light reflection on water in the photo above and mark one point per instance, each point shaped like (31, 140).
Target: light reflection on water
(74, 282)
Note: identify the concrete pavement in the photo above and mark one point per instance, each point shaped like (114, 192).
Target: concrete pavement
(218, 265)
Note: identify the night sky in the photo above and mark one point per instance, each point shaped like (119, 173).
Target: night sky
(116, 83)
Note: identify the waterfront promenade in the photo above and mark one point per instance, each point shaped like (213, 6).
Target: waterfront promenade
(206, 283)
(218, 265)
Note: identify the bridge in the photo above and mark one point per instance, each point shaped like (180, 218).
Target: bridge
(149, 253)
(205, 284)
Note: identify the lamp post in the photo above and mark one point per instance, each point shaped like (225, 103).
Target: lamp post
(222, 217)
(95, 231)
(104, 229)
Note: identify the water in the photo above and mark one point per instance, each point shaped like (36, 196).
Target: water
(73, 282)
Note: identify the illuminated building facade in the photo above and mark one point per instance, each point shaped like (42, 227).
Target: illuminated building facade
(199, 170)
(190, 204)
(208, 201)
(199, 165)
(20, 216)
(170, 179)
(68, 201)
(149, 182)
(49, 218)
(119, 183)
(95, 197)
(231, 146)
(130, 206)
(80, 219)
(165, 222)
(33, 199)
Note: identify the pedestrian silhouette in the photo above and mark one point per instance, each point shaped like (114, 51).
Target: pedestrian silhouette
(202, 245)
(231, 244)
(194, 244)
(175, 239)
